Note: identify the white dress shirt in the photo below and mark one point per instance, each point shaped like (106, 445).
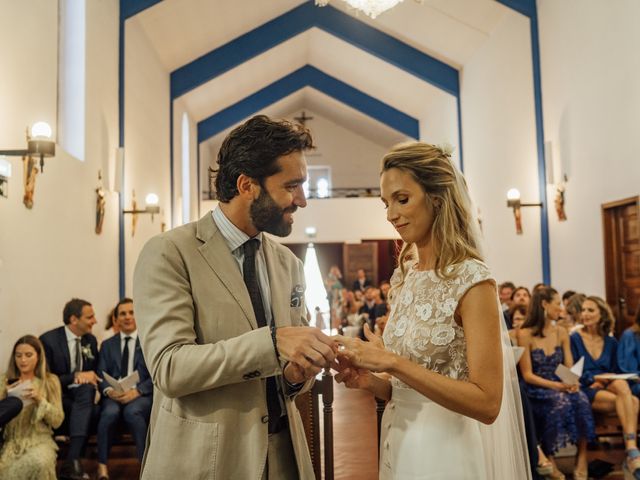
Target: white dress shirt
(235, 238)
(132, 349)
(71, 343)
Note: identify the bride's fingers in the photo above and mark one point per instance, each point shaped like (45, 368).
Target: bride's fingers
(372, 337)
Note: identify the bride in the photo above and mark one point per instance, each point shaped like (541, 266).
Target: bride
(444, 363)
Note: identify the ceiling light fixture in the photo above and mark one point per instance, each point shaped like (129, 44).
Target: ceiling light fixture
(373, 8)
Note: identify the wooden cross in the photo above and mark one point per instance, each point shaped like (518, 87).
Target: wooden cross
(302, 119)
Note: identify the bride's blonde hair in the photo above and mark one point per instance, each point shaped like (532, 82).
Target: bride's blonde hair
(453, 234)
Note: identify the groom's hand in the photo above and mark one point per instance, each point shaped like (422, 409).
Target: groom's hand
(306, 347)
(294, 373)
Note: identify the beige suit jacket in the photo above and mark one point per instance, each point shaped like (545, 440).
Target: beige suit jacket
(207, 357)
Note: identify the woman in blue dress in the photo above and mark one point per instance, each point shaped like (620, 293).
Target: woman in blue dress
(562, 412)
(629, 352)
(599, 349)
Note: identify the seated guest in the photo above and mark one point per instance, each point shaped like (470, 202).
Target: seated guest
(72, 355)
(573, 308)
(598, 347)
(29, 452)
(518, 315)
(120, 356)
(562, 412)
(361, 282)
(385, 286)
(372, 308)
(505, 290)
(520, 296)
(629, 352)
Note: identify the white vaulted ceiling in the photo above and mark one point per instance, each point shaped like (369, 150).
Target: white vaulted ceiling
(448, 30)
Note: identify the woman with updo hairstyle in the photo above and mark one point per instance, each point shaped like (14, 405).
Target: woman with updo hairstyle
(29, 452)
(561, 411)
(599, 349)
(629, 352)
(445, 359)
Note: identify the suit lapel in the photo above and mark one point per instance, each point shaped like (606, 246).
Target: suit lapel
(217, 255)
(64, 347)
(279, 282)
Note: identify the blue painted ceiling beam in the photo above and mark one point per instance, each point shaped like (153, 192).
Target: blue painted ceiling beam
(312, 77)
(525, 7)
(129, 8)
(298, 20)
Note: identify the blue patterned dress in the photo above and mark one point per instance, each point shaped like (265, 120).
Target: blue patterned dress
(561, 417)
(629, 356)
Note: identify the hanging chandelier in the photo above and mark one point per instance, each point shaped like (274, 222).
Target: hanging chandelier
(373, 8)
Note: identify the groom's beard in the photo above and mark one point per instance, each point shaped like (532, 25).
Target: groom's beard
(268, 217)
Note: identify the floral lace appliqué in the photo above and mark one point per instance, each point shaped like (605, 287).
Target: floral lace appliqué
(421, 324)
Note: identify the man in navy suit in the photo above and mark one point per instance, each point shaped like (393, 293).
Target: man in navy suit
(361, 282)
(72, 354)
(120, 356)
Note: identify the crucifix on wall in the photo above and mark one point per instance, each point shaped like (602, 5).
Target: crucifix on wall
(302, 119)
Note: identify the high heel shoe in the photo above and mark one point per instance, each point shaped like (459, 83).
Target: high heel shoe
(556, 475)
(544, 469)
(631, 465)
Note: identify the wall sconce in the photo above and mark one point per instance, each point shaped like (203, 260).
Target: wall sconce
(151, 206)
(513, 201)
(39, 145)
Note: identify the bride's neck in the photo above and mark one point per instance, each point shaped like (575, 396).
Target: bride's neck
(426, 257)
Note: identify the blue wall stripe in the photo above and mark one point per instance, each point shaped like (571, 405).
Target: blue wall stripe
(303, 18)
(129, 8)
(308, 76)
(529, 9)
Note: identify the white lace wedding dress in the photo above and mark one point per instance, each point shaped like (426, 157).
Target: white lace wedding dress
(421, 439)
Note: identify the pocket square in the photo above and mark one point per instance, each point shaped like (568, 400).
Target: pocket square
(297, 294)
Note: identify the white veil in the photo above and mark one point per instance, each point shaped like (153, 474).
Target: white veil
(504, 442)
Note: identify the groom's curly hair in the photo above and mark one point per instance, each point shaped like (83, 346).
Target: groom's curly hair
(253, 149)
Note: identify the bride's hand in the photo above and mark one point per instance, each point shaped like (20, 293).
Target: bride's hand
(351, 376)
(369, 355)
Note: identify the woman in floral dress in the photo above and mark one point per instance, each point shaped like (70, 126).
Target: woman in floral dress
(29, 452)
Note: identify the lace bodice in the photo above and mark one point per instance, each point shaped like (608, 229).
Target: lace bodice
(421, 324)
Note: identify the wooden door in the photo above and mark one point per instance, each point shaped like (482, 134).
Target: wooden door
(622, 259)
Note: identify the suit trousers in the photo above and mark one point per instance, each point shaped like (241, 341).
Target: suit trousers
(77, 403)
(136, 416)
(10, 407)
(281, 458)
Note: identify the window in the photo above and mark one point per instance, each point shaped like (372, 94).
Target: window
(319, 181)
(72, 76)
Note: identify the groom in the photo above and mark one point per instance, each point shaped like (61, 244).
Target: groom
(222, 321)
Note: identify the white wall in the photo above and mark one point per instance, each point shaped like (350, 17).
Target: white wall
(354, 160)
(336, 220)
(51, 253)
(146, 141)
(498, 127)
(591, 99)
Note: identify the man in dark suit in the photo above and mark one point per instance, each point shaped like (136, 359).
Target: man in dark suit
(120, 356)
(361, 282)
(10, 407)
(72, 354)
(373, 307)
